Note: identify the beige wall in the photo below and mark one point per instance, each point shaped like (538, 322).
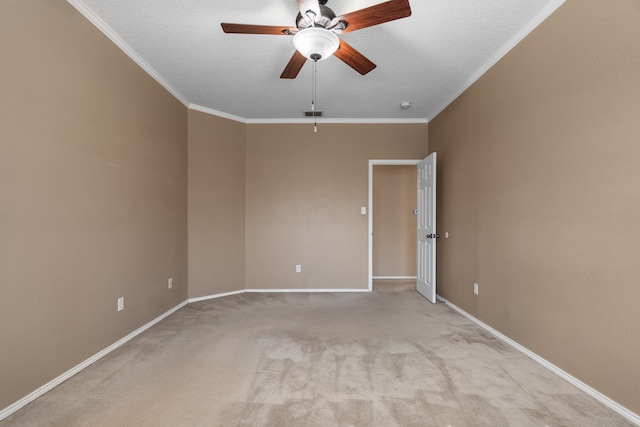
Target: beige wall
(301, 204)
(539, 186)
(216, 205)
(394, 224)
(304, 193)
(93, 161)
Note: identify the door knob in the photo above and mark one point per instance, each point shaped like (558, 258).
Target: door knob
(433, 236)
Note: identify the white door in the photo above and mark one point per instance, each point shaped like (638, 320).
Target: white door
(426, 274)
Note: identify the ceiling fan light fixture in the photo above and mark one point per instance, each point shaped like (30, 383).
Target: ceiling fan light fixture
(316, 43)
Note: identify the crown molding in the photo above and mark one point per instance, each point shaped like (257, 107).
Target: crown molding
(308, 120)
(115, 38)
(501, 53)
(325, 120)
(212, 112)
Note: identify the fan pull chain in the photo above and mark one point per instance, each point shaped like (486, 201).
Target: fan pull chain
(313, 95)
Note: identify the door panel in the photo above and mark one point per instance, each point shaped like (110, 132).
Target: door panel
(426, 230)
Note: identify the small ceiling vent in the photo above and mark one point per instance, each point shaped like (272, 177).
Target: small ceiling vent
(315, 113)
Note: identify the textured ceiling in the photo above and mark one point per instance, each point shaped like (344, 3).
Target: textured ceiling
(427, 59)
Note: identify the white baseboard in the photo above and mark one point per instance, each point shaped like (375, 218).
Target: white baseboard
(394, 277)
(71, 372)
(306, 290)
(4, 413)
(214, 296)
(631, 416)
(254, 291)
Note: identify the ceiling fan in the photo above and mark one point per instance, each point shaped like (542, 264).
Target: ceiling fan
(317, 26)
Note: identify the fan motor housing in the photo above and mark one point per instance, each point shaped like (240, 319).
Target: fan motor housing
(324, 20)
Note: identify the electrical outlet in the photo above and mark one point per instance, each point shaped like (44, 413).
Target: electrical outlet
(170, 283)
(475, 288)
(298, 268)
(120, 303)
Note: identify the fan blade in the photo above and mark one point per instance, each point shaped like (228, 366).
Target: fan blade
(257, 29)
(294, 66)
(309, 5)
(374, 15)
(353, 58)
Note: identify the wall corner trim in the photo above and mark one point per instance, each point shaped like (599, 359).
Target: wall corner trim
(76, 369)
(631, 416)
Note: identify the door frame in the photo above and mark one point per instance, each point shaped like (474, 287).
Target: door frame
(372, 163)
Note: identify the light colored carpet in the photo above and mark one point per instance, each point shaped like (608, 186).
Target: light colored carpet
(387, 358)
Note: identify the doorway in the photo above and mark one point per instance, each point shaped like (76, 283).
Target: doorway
(391, 270)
